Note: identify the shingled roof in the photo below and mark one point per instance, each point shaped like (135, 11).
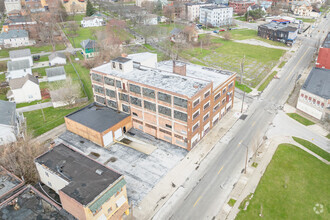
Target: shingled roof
(18, 83)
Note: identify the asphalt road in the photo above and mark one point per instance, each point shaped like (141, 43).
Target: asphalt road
(207, 197)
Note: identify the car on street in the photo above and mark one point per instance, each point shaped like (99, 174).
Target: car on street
(222, 30)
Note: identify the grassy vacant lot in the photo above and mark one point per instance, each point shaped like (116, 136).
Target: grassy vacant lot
(308, 20)
(54, 117)
(34, 49)
(300, 119)
(243, 87)
(228, 55)
(319, 151)
(267, 81)
(292, 185)
(159, 30)
(77, 17)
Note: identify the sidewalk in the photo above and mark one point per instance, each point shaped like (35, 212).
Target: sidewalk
(163, 191)
(50, 135)
(35, 107)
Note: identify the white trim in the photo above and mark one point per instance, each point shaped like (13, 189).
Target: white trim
(195, 101)
(206, 104)
(198, 110)
(216, 95)
(208, 113)
(194, 126)
(207, 92)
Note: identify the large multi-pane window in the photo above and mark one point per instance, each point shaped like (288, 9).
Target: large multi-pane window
(149, 105)
(150, 93)
(109, 81)
(125, 108)
(123, 97)
(136, 101)
(217, 96)
(134, 88)
(98, 89)
(164, 110)
(164, 97)
(100, 99)
(97, 77)
(110, 93)
(118, 84)
(180, 115)
(180, 102)
(111, 103)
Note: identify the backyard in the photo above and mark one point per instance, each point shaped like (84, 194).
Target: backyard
(34, 49)
(294, 186)
(228, 54)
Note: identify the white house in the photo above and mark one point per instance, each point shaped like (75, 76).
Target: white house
(25, 54)
(55, 73)
(57, 58)
(302, 8)
(150, 19)
(11, 5)
(216, 15)
(10, 122)
(93, 21)
(24, 89)
(17, 69)
(15, 38)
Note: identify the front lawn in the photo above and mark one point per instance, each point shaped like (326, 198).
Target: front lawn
(300, 119)
(294, 186)
(243, 87)
(267, 81)
(312, 147)
(54, 117)
(20, 105)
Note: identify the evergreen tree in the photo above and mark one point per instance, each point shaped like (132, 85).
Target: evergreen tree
(90, 10)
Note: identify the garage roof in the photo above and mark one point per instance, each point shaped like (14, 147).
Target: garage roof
(97, 117)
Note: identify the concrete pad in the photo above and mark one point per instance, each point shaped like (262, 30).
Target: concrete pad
(138, 145)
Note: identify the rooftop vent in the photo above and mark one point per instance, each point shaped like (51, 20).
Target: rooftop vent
(99, 171)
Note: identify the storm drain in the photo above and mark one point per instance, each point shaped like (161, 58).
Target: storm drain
(243, 117)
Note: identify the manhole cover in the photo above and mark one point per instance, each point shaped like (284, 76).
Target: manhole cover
(243, 117)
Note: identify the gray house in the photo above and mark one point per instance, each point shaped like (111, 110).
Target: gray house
(57, 58)
(55, 73)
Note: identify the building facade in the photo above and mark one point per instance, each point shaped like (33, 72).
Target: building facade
(24, 89)
(92, 22)
(278, 32)
(216, 16)
(12, 5)
(15, 38)
(314, 96)
(240, 7)
(74, 6)
(192, 10)
(176, 102)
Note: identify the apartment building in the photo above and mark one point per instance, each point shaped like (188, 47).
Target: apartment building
(176, 102)
(12, 5)
(216, 15)
(192, 10)
(240, 7)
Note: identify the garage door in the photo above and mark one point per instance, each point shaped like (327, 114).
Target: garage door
(118, 133)
(107, 138)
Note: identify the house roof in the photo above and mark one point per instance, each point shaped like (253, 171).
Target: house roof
(326, 42)
(90, 18)
(87, 178)
(279, 26)
(18, 83)
(13, 34)
(318, 82)
(56, 54)
(88, 44)
(121, 59)
(323, 58)
(55, 71)
(8, 113)
(18, 65)
(19, 53)
(9, 181)
(97, 117)
(175, 31)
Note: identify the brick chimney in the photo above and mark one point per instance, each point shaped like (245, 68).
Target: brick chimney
(123, 55)
(179, 69)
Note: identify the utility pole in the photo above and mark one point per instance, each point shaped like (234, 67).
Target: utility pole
(42, 111)
(242, 72)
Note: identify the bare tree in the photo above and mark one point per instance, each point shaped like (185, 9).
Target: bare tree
(169, 12)
(227, 36)
(67, 92)
(2, 6)
(18, 158)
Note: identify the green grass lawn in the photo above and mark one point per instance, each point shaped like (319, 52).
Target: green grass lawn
(228, 54)
(282, 64)
(308, 20)
(2, 77)
(34, 49)
(294, 182)
(42, 59)
(243, 87)
(300, 119)
(231, 202)
(3, 67)
(20, 105)
(328, 136)
(77, 17)
(319, 151)
(54, 117)
(41, 70)
(240, 18)
(267, 81)
(160, 55)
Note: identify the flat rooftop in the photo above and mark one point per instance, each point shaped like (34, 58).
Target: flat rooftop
(87, 178)
(326, 42)
(97, 117)
(318, 82)
(31, 204)
(200, 72)
(140, 57)
(8, 182)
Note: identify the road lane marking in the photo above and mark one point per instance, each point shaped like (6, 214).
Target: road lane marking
(197, 201)
(296, 64)
(220, 170)
(253, 124)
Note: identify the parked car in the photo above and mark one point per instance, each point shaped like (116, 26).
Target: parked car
(36, 57)
(215, 31)
(222, 30)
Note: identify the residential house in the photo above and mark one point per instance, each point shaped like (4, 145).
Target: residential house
(74, 6)
(17, 69)
(19, 55)
(99, 123)
(278, 32)
(87, 189)
(176, 102)
(150, 19)
(256, 7)
(93, 21)
(18, 23)
(301, 8)
(266, 4)
(192, 10)
(240, 7)
(15, 38)
(90, 48)
(10, 123)
(29, 203)
(141, 2)
(216, 15)
(323, 58)
(11, 5)
(55, 73)
(314, 95)
(24, 89)
(57, 58)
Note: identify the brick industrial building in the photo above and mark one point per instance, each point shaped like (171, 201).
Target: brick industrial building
(174, 101)
(240, 7)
